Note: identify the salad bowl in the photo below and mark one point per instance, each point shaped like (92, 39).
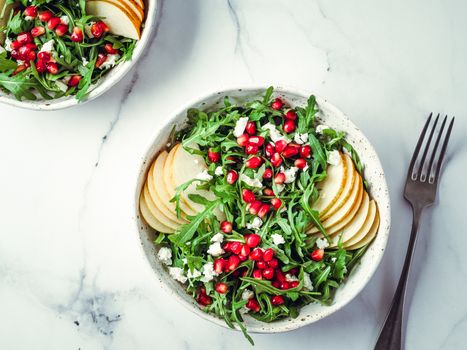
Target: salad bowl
(373, 173)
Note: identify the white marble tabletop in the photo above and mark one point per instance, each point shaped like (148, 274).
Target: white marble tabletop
(72, 273)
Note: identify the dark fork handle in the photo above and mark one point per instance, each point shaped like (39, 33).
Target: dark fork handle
(390, 337)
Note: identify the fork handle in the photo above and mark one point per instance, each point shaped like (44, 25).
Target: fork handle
(390, 337)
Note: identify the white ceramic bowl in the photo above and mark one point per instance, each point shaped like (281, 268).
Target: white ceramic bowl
(109, 80)
(373, 172)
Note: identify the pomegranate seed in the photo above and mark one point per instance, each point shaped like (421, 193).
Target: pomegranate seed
(235, 247)
(284, 285)
(105, 28)
(262, 212)
(251, 149)
(268, 254)
(30, 11)
(226, 226)
(276, 203)
(267, 173)
(227, 246)
(24, 38)
(232, 177)
(23, 52)
(61, 29)
(45, 56)
(242, 140)
(279, 178)
(269, 149)
(257, 274)
(252, 240)
(261, 265)
(219, 265)
(291, 115)
(277, 300)
(41, 66)
(276, 284)
(250, 128)
(37, 31)
(53, 22)
(276, 159)
(293, 271)
(19, 69)
(245, 251)
(213, 156)
(254, 207)
(31, 56)
(268, 273)
(221, 288)
(74, 80)
(77, 35)
(253, 162)
(44, 16)
(204, 299)
(110, 49)
(281, 145)
(256, 254)
(15, 54)
(101, 58)
(274, 263)
(27, 64)
(256, 140)
(243, 257)
(16, 45)
(268, 192)
(277, 104)
(52, 67)
(253, 305)
(280, 276)
(294, 284)
(289, 126)
(300, 163)
(31, 46)
(248, 196)
(317, 254)
(233, 262)
(305, 151)
(290, 151)
(96, 30)
(231, 160)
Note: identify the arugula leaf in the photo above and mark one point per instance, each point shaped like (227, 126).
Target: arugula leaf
(6, 64)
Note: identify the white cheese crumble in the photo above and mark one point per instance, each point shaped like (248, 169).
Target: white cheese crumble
(177, 274)
(110, 61)
(290, 174)
(218, 237)
(208, 272)
(274, 134)
(251, 182)
(307, 282)
(185, 261)
(334, 158)
(322, 243)
(290, 278)
(333, 259)
(255, 224)
(301, 138)
(165, 255)
(8, 44)
(247, 294)
(20, 62)
(321, 127)
(194, 274)
(65, 20)
(240, 126)
(85, 61)
(28, 18)
(219, 171)
(48, 46)
(277, 239)
(204, 176)
(61, 85)
(215, 249)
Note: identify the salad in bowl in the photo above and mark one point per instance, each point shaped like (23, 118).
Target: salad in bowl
(258, 210)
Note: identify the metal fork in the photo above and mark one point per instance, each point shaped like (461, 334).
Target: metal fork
(420, 191)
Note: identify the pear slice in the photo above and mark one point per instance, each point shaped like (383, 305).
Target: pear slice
(150, 219)
(370, 235)
(331, 187)
(140, 3)
(156, 212)
(135, 7)
(120, 20)
(366, 227)
(158, 191)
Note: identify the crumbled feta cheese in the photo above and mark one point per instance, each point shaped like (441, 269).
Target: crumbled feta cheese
(65, 20)
(19, 62)
(290, 174)
(177, 274)
(334, 158)
(291, 278)
(247, 294)
(215, 249)
(8, 44)
(194, 274)
(165, 255)
(251, 182)
(277, 239)
(28, 18)
(208, 272)
(240, 126)
(322, 243)
(307, 282)
(333, 259)
(274, 134)
(204, 176)
(219, 171)
(61, 85)
(255, 224)
(48, 46)
(218, 237)
(301, 138)
(110, 61)
(321, 127)
(2, 50)
(85, 61)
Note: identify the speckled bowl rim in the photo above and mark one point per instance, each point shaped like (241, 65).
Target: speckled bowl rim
(360, 275)
(109, 80)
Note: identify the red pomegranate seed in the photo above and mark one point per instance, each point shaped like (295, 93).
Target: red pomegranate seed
(256, 140)
(101, 58)
(226, 226)
(204, 299)
(44, 16)
(253, 305)
(53, 22)
(305, 151)
(268, 273)
(110, 49)
(245, 251)
(256, 254)
(254, 207)
(294, 284)
(61, 30)
(242, 140)
(30, 11)
(293, 271)
(232, 160)
(276, 284)
(257, 274)
(74, 80)
(277, 300)
(261, 264)
(221, 288)
(24, 38)
(235, 247)
(37, 31)
(276, 160)
(77, 35)
(252, 240)
(248, 196)
(281, 145)
(290, 151)
(291, 114)
(268, 192)
(52, 67)
(268, 254)
(40, 66)
(31, 46)
(23, 52)
(285, 285)
(253, 162)
(233, 262)
(227, 246)
(276, 203)
(277, 104)
(242, 257)
(19, 69)
(289, 126)
(300, 163)
(45, 56)
(232, 177)
(15, 54)
(96, 30)
(16, 45)
(250, 128)
(269, 149)
(274, 263)
(262, 212)
(219, 265)
(317, 254)
(267, 173)
(280, 276)
(279, 178)
(105, 28)
(31, 56)
(251, 149)
(213, 155)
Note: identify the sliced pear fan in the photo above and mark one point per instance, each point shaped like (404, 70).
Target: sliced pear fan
(371, 217)
(156, 212)
(369, 236)
(150, 219)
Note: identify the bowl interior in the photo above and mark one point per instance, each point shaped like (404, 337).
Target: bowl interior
(373, 173)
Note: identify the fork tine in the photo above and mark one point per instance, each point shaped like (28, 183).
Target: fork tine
(419, 144)
(427, 147)
(443, 150)
(435, 149)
